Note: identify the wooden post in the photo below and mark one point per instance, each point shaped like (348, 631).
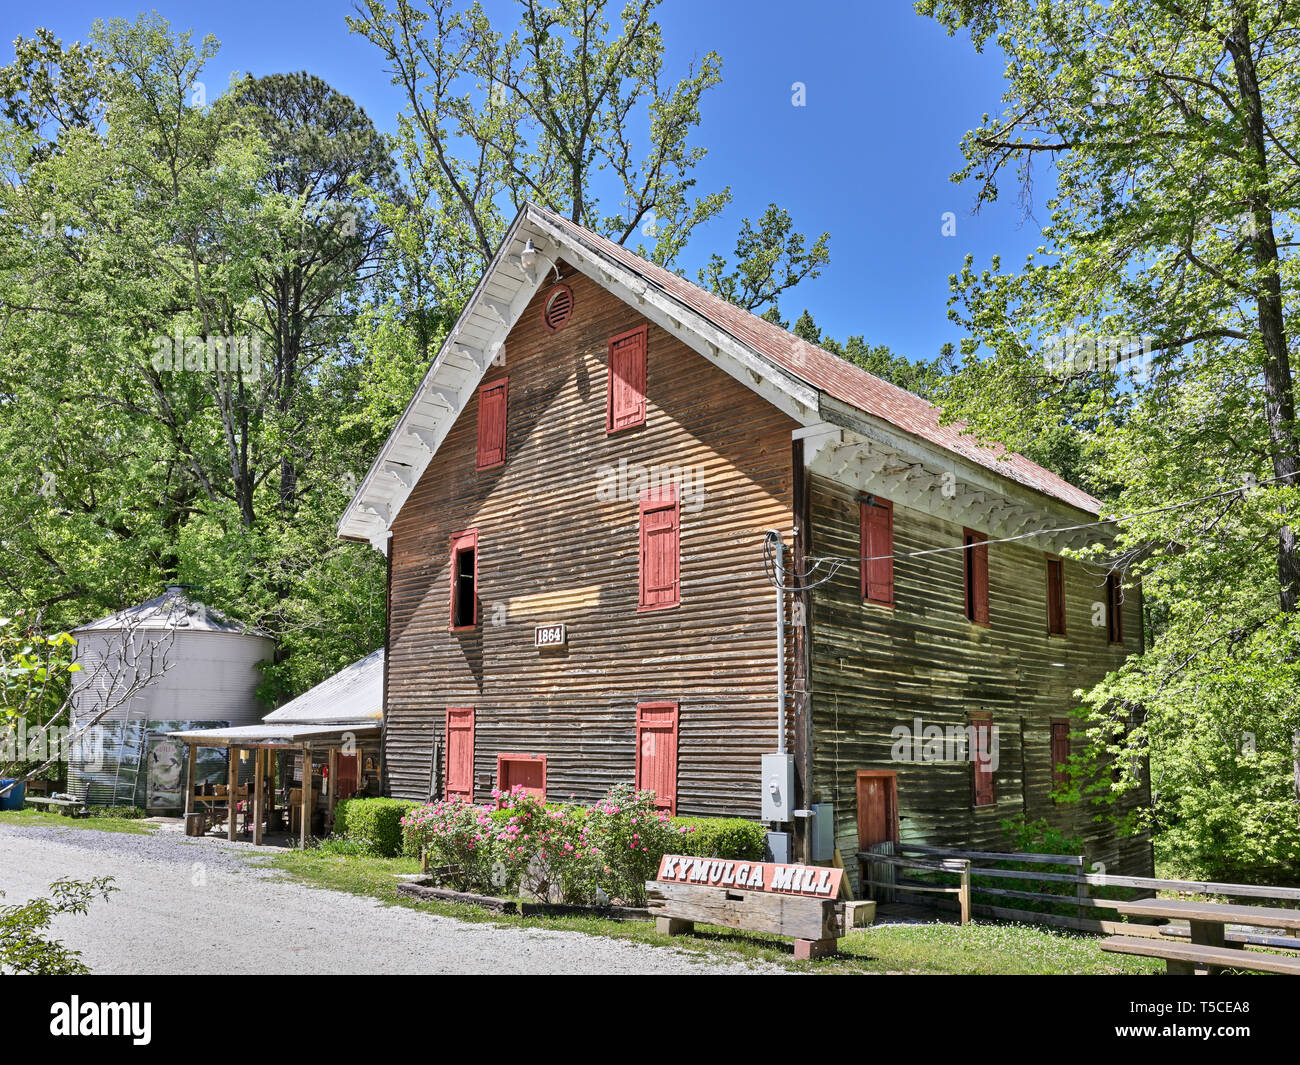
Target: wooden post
(304, 829)
(963, 896)
(191, 763)
(260, 754)
(272, 773)
(232, 789)
(333, 763)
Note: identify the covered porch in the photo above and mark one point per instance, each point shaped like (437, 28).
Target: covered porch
(299, 773)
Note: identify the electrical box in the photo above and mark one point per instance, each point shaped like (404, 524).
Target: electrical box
(778, 848)
(823, 831)
(778, 787)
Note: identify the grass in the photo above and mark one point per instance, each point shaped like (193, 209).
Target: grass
(985, 948)
(32, 816)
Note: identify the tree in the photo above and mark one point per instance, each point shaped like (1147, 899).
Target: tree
(769, 261)
(1155, 323)
(25, 950)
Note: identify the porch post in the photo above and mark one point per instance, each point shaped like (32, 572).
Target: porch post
(260, 754)
(191, 760)
(333, 773)
(304, 827)
(232, 787)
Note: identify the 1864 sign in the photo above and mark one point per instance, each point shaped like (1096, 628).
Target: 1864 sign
(815, 881)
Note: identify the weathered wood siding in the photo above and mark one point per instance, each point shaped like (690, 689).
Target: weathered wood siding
(876, 667)
(551, 550)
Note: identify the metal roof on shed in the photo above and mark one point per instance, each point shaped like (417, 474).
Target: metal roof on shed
(354, 693)
(174, 609)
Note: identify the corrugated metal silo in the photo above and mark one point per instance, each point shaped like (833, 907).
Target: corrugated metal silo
(209, 681)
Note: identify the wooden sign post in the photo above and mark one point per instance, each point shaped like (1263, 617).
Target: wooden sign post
(801, 901)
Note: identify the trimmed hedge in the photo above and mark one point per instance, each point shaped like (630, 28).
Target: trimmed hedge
(375, 823)
(732, 838)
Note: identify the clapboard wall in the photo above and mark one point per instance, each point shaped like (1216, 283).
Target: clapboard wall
(551, 550)
(875, 668)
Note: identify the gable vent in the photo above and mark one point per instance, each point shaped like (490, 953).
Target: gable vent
(559, 305)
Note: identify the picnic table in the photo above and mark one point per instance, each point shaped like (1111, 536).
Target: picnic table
(67, 807)
(1210, 946)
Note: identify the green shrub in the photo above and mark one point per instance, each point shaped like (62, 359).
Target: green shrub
(375, 822)
(732, 838)
(631, 835)
(125, 813)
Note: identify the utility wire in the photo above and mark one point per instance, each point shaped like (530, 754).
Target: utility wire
(838, 562)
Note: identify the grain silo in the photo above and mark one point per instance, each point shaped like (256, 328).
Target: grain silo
(168, 664)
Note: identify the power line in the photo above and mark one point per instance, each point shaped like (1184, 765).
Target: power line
(838, 562)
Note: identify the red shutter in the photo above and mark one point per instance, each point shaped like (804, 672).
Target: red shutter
(977, 577)
(625, 393)
(982, 737)
(460, 752)
(660, 549)
(1060, 751)
(522, 770)
(492, 402)
(656, 752)
(1055, 597)
(877, 541)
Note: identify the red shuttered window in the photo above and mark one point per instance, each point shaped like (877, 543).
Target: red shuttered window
(1060, 751)
(877, 542)
(464, 580)
(1114, 609)
(982, 759)
(625, 396)
(660, 549)
(460, 752)
(492, 403)
(1055, 597)
(522, 770)
(977, 576)
(656, 752)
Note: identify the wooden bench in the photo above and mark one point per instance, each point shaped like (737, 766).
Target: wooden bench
(1181, 959)
(67, 807)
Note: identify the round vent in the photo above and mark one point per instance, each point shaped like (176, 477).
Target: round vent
(559, 305)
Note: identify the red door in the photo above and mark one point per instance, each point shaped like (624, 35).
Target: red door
(460, 752)
(346, 785)
(656, 752)
(877, 807)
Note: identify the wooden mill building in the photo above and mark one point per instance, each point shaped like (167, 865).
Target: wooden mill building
(591, 464)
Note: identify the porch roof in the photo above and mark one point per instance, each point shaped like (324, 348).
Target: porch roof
(278, 734)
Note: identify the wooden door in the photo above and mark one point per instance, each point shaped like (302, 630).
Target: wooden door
(877, 807)
(656, 752)
(459, 779)
(345, 786)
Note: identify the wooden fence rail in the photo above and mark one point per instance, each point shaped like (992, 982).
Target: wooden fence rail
(1086, 909)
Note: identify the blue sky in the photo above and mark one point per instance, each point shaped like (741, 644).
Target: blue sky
(868, 158)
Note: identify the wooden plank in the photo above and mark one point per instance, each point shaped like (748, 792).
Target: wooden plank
(304, 826)
(232, 795)
(996, 856)
(1195, 954)
(191, 761)
(1221, 913)
(1195, 887)
(258, 782)
(759, 911)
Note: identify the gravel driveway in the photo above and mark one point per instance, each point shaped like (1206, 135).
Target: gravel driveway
(206, 906)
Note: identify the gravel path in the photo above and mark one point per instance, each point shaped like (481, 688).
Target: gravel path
(206, 906)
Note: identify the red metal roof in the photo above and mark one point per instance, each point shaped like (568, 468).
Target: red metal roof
(833, 375)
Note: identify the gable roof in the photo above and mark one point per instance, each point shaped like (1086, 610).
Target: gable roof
(796, 376)
(354, 693)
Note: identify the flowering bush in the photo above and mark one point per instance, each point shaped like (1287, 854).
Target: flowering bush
(632, 834)
(457, 834)
(566, 853)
